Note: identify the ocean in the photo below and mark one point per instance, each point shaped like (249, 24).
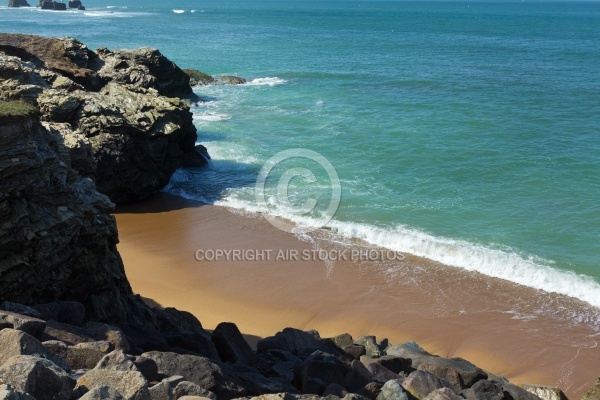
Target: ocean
(464, 132)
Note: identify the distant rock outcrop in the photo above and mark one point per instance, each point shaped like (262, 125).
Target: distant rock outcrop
(74, 3)
(199, 78)
(18, 3)
(122, 114)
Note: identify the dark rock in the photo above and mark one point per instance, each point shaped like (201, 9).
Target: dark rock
(295, 341)
(201, 371)
(66, 312)
(146, 68)
(371, 390)
(340, 341)
(81, 356)
(164, 389)
(102, 393)
(231, 345)
(186, 388)
(33, 326)
(112, 334)
(485, 390)
(37, 376)
(320, 369)
(335, 390)
(392, 390)
(74, 3)
(15, 343)
(20, 309)
(370, 345)
(47, 4)
(459, 373)
(444, 394)
(70, 334)
(198, 77)
(7, 392)
(358, 377)
(141, 339)
(196, 343)
(81, 8)
(420, 384)
(147, 367)
(381, 374)
(58, 6)
(355, 351)
(130, 384)
(410, 351)
(254, 382)
(117, 361)
(57, 238)
(18, 3)
(393, 363)
(228, 80)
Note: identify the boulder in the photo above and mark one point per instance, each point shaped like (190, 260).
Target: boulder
(410, 351)
(319, 370)
(37, 376)
(130, 384)
(111, 334)
(358, 376)
(67, 312)
(80, 356)
(420, 384)
(393, 363)
(117, 361)
(545, 392)
(20, 309)
(33, 326)
(186, 388)
(102, 393)
(69, 334)
(198, 78)
(392, 390)
(15, 343)
(458, 372)
(47, 4)
(370, 344)
(18, 3)
(485, 390)
(7, 392)
(164, 389)
(292, 340)
(518, 393)
(355, 351)
(382, 374)
(231, 345)
(444, 394)
(59, 6)
(201, 371)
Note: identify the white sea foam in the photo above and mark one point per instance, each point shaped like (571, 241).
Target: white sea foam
(178, 11)
(531, 271)
(269, 81)
(211, 116)
(113, 14)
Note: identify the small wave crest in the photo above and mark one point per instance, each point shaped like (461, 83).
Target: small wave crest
(532, 271)
(268, 81)
(211, 116)
(178, 11)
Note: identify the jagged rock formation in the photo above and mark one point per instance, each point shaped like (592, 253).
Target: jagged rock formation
(18, 3)
(75, 4)
(122, 113)
(57, 238)
(200, 78)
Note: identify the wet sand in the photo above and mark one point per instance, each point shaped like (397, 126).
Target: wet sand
(526, 335)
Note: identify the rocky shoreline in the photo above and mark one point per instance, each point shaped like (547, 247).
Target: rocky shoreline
(102, 127)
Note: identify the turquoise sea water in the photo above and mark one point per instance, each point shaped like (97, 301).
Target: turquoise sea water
(465, 132)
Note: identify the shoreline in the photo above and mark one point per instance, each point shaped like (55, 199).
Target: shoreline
(508, 329)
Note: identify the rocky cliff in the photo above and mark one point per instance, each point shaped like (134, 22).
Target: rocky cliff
(124, 115)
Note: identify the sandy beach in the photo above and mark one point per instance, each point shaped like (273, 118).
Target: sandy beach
(169, 247)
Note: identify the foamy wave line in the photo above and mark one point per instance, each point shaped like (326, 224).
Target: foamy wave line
(268, 81)
(208, 116)
(178, 11)
(532, 272)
